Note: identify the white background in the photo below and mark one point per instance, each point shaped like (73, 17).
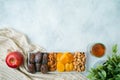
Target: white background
(64, 25)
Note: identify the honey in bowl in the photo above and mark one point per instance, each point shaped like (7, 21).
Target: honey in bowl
(98, 50)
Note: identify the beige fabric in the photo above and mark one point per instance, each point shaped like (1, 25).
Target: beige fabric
(11, 40)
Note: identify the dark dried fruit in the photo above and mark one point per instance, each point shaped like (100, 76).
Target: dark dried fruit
(38, 57)
(44, 68)
(38, 66)
(32, 58)
(45, 58)
(31, 68)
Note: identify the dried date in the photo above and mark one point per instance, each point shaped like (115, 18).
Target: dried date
(32, 58)
(38, 57)
(44, 68)
(45, 58)
(38, 66)
(31, 68)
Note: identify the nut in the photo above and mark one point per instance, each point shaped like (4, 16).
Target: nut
(79, 61)
(52, 59)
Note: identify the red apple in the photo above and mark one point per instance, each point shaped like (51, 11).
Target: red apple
(14, 59)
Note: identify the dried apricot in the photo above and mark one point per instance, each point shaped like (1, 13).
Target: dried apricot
(71, 58)
(64, 58)
(59, 54)
(67, 67)
(71, 66)
(60, 67)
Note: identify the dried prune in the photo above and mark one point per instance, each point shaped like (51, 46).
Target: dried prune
(31, 68)
(38, 66)
(38, 57)
(32, 58)
(44, 68)
(45, 58)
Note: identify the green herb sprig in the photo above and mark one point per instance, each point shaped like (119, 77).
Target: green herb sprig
(110, 70)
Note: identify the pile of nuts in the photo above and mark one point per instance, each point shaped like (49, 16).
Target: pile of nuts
(52, 61)
(79, 61)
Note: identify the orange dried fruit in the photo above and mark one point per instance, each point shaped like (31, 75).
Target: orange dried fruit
(71, 57)
(60, 67)
(67, 57)
(71, 66)
(67, 67)
(64, 58)
(59, 54)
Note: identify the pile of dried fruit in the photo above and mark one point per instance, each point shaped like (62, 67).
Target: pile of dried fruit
(38, 62)
(59, 61)
(64, 62)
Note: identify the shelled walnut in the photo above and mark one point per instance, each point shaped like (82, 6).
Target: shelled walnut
(79, 61)
(52, 60)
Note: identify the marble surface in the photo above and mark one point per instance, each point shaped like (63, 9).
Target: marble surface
(64, 25)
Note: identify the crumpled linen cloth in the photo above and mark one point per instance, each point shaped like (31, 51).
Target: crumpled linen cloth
(12, 40)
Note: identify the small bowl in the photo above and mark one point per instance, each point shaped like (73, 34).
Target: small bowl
(97, 47)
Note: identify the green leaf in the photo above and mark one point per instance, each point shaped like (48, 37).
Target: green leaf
(117, 77)
(99, 67)
(117, 70)
(115, 64)
(115, 58)
(100, 74)
(119, 64)
(109, 67)
(114, 48)
(104, 73)
(111, 79)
